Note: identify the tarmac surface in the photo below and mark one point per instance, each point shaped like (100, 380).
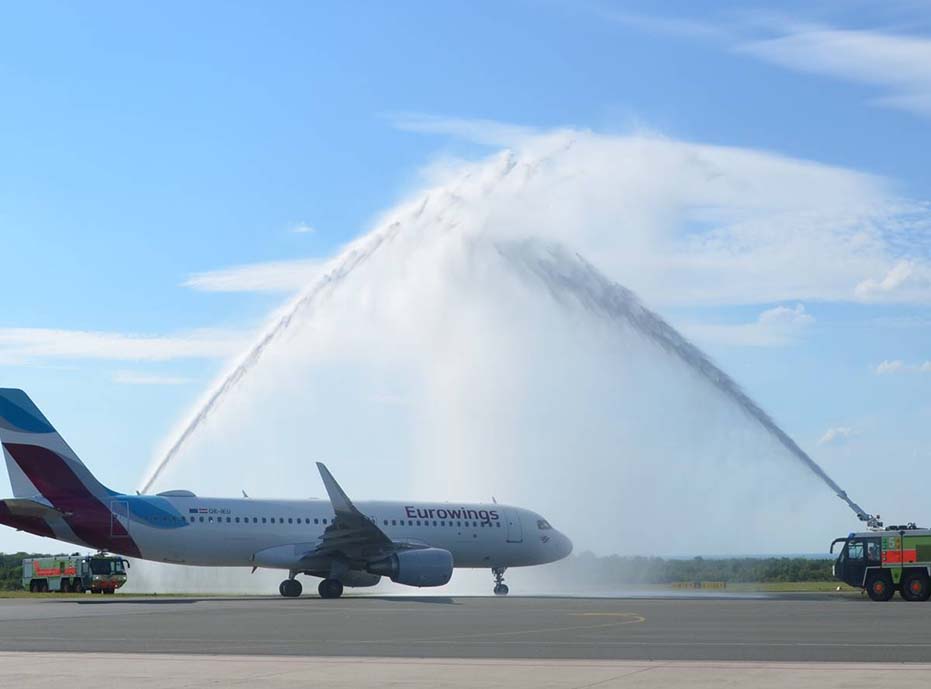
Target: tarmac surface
(800, 628)
(93, 670)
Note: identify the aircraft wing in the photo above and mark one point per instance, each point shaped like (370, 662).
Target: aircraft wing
(352, 534)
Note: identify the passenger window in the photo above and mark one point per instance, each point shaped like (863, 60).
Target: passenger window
(228, 520)
(434, 523)
(210, 520)
(316, 520)
(324, 520)
(873, 551)
(255, 520)
(290, 521)
(264, 520)
(394, 522)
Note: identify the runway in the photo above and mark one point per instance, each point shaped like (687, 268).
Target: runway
(777, 628)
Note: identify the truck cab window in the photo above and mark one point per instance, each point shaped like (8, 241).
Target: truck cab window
(855, 550)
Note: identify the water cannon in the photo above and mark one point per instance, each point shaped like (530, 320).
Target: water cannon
(872, 521)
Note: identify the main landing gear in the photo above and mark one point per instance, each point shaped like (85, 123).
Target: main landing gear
(330, 588)
(290, 588)
(501, 589)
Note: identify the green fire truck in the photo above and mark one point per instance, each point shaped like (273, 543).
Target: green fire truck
(100, 573)
(882, 562)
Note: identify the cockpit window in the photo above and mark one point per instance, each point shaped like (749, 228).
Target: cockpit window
(543, 525)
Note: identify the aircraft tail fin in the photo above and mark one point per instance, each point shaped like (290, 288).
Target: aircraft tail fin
(38, 460)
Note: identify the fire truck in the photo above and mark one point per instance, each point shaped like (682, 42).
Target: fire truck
(100, 573)
(883, 561)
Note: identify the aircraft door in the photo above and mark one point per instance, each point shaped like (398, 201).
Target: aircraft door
(515, 533)
(119, 518)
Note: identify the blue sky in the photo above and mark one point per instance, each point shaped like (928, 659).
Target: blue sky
(144, 148)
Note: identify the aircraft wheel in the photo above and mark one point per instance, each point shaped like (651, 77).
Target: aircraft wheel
(290, 588)
(501, 590)
(330, 588)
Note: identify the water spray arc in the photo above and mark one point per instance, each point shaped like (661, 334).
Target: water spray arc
(349, 262)
(568, 275)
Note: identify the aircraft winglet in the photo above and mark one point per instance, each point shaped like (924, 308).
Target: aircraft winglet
(342, 505)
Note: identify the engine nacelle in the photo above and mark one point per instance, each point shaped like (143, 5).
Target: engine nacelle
(424, 567)
(358, 579)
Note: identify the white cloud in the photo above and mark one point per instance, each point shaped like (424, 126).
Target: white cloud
(776, 327)
(19, 345)
(271, 276)
(487, 132)
(895, 278)
(139, 378)
(302, 228)
(898, 65)
(670, 26)
(888, 366)
(899, 366)
(687, 224)
(837, 435)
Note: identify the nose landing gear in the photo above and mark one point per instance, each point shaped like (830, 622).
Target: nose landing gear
(501, 589)
(290, 588)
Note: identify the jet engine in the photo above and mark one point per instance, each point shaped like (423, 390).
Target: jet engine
(423, 567)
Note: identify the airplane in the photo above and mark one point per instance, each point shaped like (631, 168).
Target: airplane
(343, 543)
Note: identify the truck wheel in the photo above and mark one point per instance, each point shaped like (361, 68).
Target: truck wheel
(78, 587)
(65, 586)
(915, 587)
(879, 587)
(32, 586)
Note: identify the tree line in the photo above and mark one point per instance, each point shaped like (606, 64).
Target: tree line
(11, 570)
(613, 570)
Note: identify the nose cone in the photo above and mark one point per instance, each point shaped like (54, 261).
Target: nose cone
(563, 546)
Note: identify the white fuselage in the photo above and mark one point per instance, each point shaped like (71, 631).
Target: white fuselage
(231, 532)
